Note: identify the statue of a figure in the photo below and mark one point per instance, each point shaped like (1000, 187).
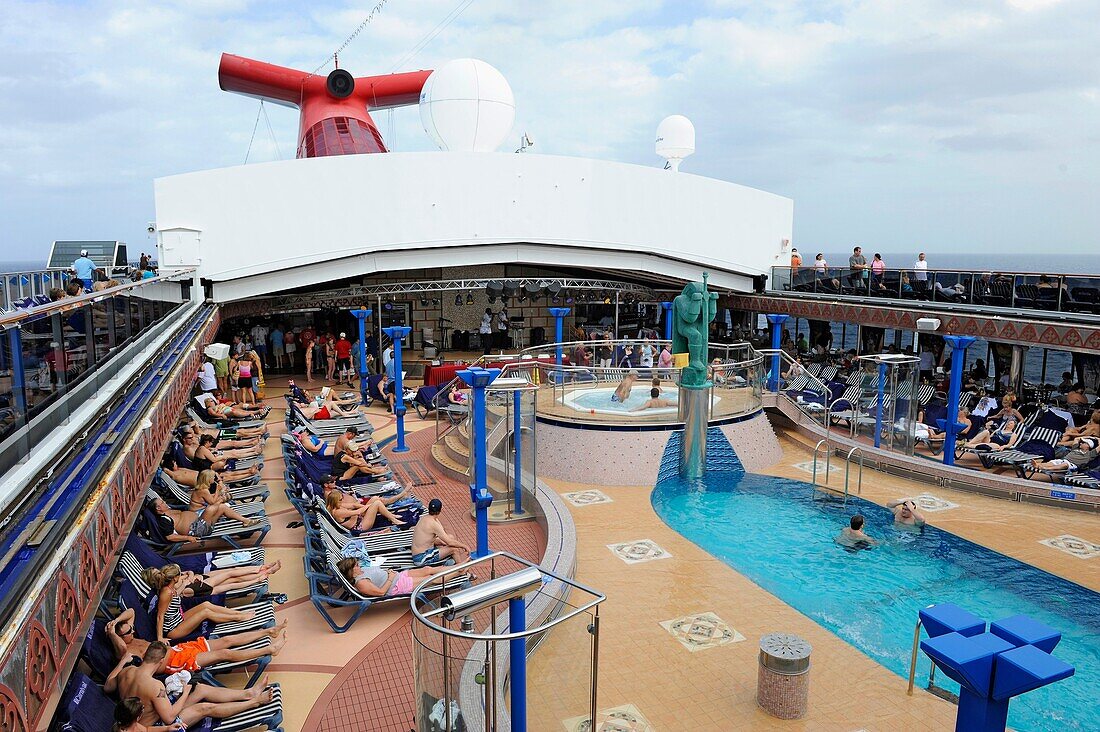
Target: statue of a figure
(693, 310)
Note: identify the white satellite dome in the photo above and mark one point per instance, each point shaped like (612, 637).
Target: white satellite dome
(467, 105)
(675, 139)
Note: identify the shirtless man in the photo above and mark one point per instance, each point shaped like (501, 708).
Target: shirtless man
(328, 484)
(347, 453)
(197, 701)
(852, 535)
(193, 655)
(431, 542)
(655, 401)
(906, 513)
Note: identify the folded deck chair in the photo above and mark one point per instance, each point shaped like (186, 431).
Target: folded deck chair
(85, 707)
(331, 589)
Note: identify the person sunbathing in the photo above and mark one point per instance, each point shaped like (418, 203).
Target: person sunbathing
(923, 431)
(622, 391)
(327, 410)
(655, 401)
(202, 448)
(459, 397)
(186, 523)
(378, 582)
(1087, 450)
(1088, 429)
(347, 455)
(244, 438)
(188, 476)
(1002, 438)
(195, 703)
(169, 584)
(231, 411)
(193, 656)
(1007, 411)
(214, 582)
(357, 516)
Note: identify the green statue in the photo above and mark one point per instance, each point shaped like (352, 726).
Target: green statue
(693, 310)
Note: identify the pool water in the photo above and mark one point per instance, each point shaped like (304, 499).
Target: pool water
(771, 531)
(599, 400)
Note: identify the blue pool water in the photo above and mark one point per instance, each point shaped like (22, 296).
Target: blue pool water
(770, 530)
(600, 399)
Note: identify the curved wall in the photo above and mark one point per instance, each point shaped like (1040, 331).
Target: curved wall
(261, 228)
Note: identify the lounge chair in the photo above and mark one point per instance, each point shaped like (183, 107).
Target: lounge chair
(131, 567)
(85, 707)
(1029, 448)
(430, 399)
(145, 606)
(239, 492)
(323, 427)
(231, 532)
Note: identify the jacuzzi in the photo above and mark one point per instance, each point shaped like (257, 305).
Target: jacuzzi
(598, 401)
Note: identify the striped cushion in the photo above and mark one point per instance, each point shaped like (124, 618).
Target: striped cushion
(925, 392)
(260, 716)
(798, 383)
(1046, 434)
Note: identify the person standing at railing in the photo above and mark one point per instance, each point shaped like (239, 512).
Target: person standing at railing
(920, 272)
(84, 269)
(647, 354)
(878, 271)
(603, 352)
(796, 260)
(858, 264)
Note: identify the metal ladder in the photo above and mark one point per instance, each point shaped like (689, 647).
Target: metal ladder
(848, 470)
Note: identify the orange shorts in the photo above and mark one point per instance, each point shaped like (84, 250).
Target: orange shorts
(184, 657)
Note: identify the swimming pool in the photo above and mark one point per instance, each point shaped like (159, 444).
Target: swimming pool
(598, 400)
(771, 531)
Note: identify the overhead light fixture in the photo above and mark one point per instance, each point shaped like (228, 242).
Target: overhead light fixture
(458, 299)
(553, 289)
(511, 287)
(423, 301)
(494, 289)
(533, 290)
(469, 298)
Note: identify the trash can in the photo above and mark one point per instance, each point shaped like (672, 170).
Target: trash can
(783, 680)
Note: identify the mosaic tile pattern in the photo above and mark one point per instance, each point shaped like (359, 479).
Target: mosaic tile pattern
(626, 458)
(1074, 545)
(587, 498)
(635, 552)
(700, 631)
(808, 467)
(625, 718)
(720, 455)
(929, 502)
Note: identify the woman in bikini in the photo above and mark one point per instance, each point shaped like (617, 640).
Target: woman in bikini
(203, 449)
(1003, 438)
(214, 582)
(169, 588)
(378, 582)
(184, 521)
(357, 516)
(188, 476)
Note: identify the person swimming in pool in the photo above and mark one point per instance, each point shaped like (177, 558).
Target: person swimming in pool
(622, 391)
(852, 535)
(655, 401)
(906, 512)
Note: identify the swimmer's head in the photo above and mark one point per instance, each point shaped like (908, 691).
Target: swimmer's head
(654, 392)
(856, 522)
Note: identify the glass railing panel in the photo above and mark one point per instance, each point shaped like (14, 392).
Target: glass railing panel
(12, 390)
(1080, 294)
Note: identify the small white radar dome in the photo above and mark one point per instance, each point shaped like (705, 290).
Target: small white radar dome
(467, 105)
(675, 139)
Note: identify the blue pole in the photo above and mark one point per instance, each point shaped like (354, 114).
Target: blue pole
(559, 315)
(777, 340)
(878, 410)
(477, 379)
(517, 651)
(361, 315)
(958, 344)
(18, 377)
(667, 308)
(397, 333)
(517, 444)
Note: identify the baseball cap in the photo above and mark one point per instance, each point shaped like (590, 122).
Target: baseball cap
(343, 335)
(352, 430)
(435, 506)
(83, 252)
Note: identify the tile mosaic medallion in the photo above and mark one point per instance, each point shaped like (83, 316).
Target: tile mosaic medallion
(587, 498)
(625, 718)
(700, 631)
(642, 550)
(808, 467)
(929, 502)
(1074, 545)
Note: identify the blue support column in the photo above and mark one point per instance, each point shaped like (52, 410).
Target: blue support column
(517, 445)
(777, 340)
(478, 379)
(18, 377)
(878, 409)
(958, 344)
(517, 652)
(559, 315)
(361, 315)
(667, 307)
(397, 333)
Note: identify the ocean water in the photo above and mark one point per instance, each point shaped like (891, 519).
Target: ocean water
(771, 531)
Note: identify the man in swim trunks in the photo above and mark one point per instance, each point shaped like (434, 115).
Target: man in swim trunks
(347, 454)
(906, 513)
(655, 401)
(853, 535)
(1086, 451)
(197, 701)
(197, 654)
(431, 542)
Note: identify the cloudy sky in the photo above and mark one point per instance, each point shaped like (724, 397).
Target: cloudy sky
(900, 124)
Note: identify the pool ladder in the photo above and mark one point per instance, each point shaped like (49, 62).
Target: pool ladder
(931, 688)
(858, 451)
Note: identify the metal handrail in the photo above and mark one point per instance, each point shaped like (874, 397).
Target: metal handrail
(828, 458)
(66, 304)
(848, 468)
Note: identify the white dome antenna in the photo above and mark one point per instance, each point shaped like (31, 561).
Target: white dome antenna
(467, 105)
(675, 140)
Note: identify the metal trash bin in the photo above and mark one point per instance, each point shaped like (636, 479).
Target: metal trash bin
(783, 680)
